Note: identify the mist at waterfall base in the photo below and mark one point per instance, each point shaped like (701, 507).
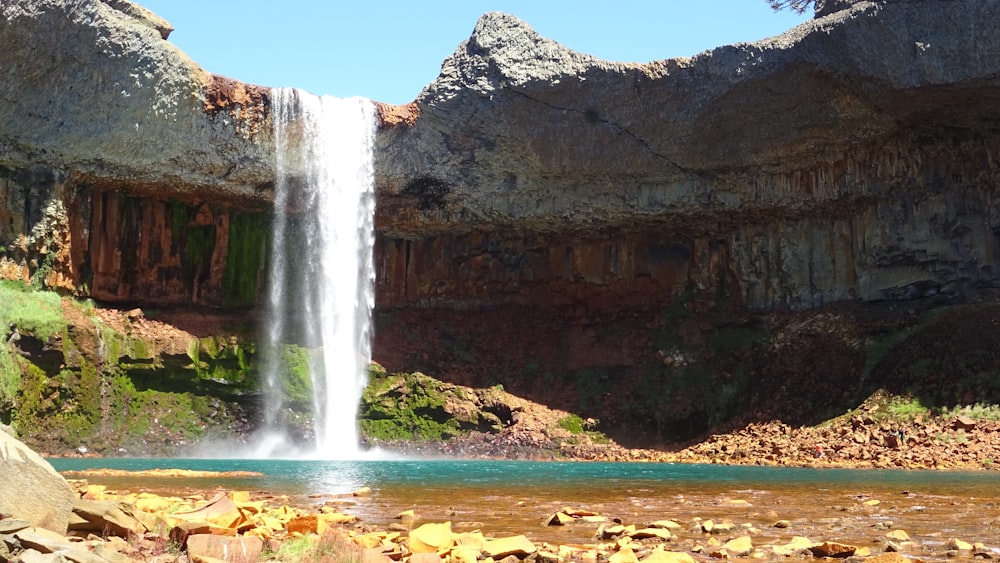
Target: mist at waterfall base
(320, 287)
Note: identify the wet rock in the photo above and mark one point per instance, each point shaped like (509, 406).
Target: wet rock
(740, 547)
(832, 549)
(668, 524)
(560, 519)
(643, 533)
(798, 546)
(897, 536)
(958, 545)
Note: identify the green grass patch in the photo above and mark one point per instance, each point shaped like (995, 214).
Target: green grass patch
(906, 408)
(38, 313)
(571, 423)
(978, 411)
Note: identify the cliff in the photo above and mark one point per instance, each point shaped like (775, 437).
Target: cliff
(560, 224)
(850, 158)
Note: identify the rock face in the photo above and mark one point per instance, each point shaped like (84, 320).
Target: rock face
(50, 501)
(546, 220)
(122, 162)
(848, 158)
(113, 103)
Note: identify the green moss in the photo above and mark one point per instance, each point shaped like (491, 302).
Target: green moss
(406, 407)
(572, 423)
(248, 234)
(295, 377)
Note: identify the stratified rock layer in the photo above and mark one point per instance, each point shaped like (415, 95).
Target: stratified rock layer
(849, 158)
(597, 235)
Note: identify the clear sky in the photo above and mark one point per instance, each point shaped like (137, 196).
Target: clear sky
(388, 50)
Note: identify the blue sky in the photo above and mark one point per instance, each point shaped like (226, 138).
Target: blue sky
(389, 50)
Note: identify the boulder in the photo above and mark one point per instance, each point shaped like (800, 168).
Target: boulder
(739, 547)
(116, 102)
(51, 500)
(431, 538)
(833, 549)
(222, 548)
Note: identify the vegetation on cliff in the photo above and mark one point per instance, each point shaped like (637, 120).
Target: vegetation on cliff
(74, 376)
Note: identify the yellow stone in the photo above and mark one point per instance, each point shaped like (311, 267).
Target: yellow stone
(560, 519)
(153, 504)
(464, 554)
(368, 541)
(740, 547)
(256, 507)
(240, 497)
(94, 492)
(897, 535)
(872, 502)
(624, 555)
(431, 538)
(797, 545)
(469, 539)
(519, 546)
(406, 515)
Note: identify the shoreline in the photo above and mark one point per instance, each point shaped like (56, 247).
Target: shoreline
(722, 520)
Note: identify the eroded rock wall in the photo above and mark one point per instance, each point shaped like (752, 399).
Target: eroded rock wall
(851, 158)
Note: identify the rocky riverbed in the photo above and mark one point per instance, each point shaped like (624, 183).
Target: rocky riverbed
(701, 523)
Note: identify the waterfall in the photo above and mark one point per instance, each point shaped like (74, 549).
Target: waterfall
(321, 273)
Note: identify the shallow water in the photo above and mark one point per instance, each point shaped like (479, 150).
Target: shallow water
(513, 497)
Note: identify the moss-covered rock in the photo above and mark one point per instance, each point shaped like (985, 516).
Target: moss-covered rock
(413, 406)
(73, 375)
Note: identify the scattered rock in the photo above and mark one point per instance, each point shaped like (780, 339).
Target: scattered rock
(897, 536)
(959, 545)
(832, 549)
(963, 422)
(740, 547)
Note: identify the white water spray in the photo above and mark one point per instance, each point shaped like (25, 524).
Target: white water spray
(321, 279)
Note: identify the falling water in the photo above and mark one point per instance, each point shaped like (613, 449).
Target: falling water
(321, 286)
